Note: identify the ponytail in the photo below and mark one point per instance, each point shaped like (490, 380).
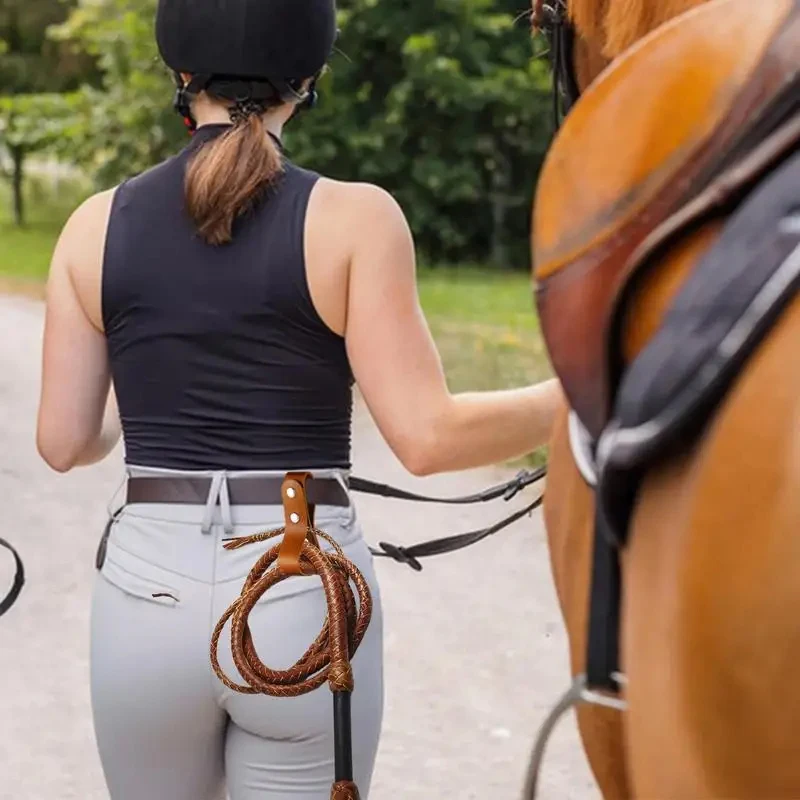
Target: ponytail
(228, 176)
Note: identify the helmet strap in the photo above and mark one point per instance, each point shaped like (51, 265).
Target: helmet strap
(245, 92)
(185, 95)
(307, 100)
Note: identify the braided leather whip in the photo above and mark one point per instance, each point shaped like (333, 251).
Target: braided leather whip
(328, 658)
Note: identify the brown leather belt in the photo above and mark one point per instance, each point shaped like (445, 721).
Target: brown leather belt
(243, 491)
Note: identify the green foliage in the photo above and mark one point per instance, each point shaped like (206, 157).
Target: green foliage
(486, 330)
(439, 101)
(30, 62)
(125, 125)
(34, 71)
(25, 253)
(485, 327)
(36, 121)
(28, 123)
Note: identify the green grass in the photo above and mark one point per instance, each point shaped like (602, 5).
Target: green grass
(486, 331)
(485, 327)
(25, 252)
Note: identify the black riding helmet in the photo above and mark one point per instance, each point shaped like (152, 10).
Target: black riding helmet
(246, 51)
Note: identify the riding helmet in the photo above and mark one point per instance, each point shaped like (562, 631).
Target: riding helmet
(289, 40)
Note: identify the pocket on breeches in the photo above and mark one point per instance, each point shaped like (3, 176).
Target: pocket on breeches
(137, 577)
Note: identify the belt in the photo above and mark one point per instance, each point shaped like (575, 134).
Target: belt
(243, 491)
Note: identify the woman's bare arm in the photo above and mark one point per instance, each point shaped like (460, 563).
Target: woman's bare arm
(78, 421)
(398, 368)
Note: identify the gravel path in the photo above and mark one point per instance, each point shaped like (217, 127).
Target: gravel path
(475, 649)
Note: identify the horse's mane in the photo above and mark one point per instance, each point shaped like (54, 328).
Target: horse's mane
(614, 25)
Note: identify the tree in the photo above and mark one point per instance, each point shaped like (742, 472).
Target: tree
(439, 101)
(29, 123)
(442, 103)
(33, 66)
(126, 123)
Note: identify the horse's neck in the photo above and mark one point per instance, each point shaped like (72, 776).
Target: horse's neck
(610, 27)
(601, 28)
(589, 61)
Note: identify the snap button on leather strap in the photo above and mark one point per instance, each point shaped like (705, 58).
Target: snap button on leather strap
(299, 516)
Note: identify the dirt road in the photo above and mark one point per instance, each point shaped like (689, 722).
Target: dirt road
(475, 649)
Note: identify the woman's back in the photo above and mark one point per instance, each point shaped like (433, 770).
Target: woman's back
(219, 357)
(232, 299)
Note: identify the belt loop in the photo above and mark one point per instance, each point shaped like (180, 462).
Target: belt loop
(340, 479)
(225, 505)
(211, 502)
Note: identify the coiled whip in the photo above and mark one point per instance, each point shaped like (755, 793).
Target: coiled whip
(328, 658)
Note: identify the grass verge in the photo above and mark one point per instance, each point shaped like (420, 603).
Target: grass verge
(486, 330)
(25, 252)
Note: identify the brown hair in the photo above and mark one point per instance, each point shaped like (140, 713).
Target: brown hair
(228, 176)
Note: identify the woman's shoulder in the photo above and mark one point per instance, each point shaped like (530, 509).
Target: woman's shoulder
(82, 240)
(361, 204)
(90, 219)
(76, 265)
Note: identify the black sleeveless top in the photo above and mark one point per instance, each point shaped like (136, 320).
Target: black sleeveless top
(218, 357)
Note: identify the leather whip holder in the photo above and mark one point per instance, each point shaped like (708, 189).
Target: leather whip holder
(328, 658)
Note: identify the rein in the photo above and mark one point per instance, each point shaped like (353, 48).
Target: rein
(19, 579)
(451, 544)
(409, 555)
(552, 19)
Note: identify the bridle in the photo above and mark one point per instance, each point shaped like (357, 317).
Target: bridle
(552, 19)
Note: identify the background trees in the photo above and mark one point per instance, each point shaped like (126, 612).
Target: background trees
(36, 75)
(439, 101)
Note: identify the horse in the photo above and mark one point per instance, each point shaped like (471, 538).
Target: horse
(705, 530)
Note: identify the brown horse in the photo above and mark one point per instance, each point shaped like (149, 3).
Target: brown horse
(710, 613)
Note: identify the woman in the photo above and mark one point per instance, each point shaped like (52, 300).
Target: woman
(233, 297)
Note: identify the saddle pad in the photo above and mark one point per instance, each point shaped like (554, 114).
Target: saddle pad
(721, 314)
